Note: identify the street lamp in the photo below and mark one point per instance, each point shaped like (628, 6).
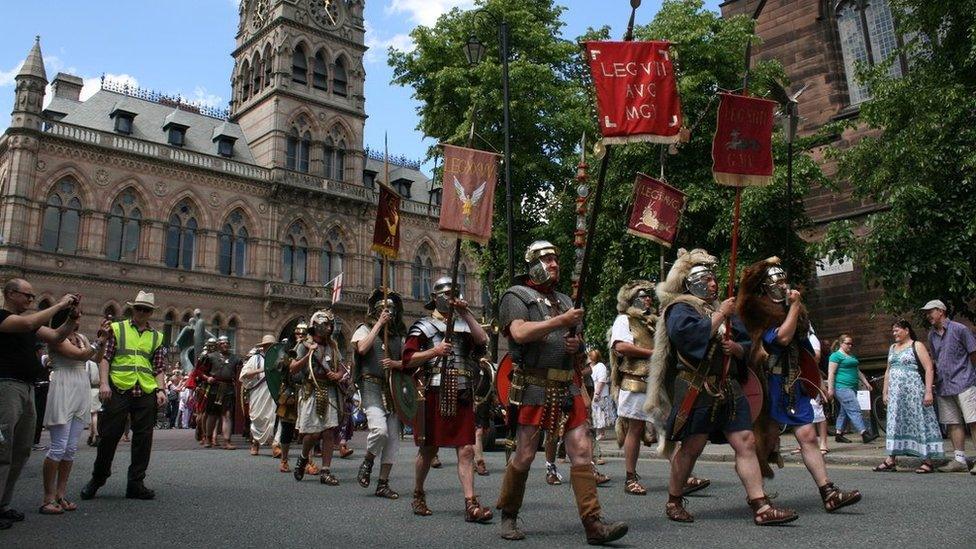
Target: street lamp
(474, 50)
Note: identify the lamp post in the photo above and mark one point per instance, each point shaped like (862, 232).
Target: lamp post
(474, 52)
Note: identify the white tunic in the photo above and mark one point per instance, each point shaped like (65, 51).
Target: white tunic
(629, 405)
(260, 404)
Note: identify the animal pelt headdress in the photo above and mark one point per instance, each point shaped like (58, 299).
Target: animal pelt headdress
(625, 306)
(658, 401)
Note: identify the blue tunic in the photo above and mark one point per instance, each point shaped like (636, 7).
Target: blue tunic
(779, 404)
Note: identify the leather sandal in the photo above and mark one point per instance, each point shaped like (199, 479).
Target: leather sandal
(886, 466)
(326, 477)
(834, 499)
(419, 504)
(311, 468)
(284, 467)
(475, 512)
(675, 510)
(924, 469)
(67, 505)
(767, 515)
(383, 490)
(633, 486)
(365, 471)
(481, 468)
(51, 508)
(694, 484)
(300, 467)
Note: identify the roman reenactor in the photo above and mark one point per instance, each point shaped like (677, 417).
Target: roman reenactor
(219, 370)
(778, 325)
(378, 345)
(320, 397)
(301, 332)
(199, 386)
(697, 369)
(538, 322)
(447, 371)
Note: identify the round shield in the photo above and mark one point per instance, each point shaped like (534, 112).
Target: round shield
(752, 389)
(503, 378)
(406, 397)
(810, 373)
(271, 371)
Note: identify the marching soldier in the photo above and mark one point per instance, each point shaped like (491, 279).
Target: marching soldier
(319, 398)
(537, 321)
(376, 342)
(448, 368)
(689, 370)
(219, 371)
(777, 322)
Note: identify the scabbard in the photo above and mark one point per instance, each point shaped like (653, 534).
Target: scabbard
(686, 405)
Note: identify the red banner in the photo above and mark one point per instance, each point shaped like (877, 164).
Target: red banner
(742, 150)
(656, 210)
(468, 198)
(636, 94)
(386, 231)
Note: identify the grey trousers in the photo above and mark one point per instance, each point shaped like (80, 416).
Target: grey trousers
(383, 439)
(17, 418)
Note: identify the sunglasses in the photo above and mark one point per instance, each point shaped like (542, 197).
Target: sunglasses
(30, 297)
(142, 309)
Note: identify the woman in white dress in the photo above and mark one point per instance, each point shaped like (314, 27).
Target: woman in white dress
(67, 413)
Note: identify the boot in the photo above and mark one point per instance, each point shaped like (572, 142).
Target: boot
(138, 490)
(88, 492)
(510, 501)
(300, 467)
(598, 532)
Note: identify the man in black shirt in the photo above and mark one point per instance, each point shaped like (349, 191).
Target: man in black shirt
(19, 368)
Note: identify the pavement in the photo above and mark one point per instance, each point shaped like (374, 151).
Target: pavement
(218, 498)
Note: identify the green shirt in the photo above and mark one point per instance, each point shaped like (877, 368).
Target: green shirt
(846, 376)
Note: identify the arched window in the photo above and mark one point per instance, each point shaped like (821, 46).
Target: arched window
(328, 158)
(62, 218)
(216, 326)
(333, 257)
(169, 324)
(294, 255)
(181, 236)
(122, 242)
(245, 81)
(463, 280)
(299, 66)
(334, 156)
(268, 60)
(339, 77)
(258, 70)
(378, 270)
(111, 311)
(863, 25)
(232, 245)
(231, 334)
(296, 155)
(320, 75)
(340, 162)
(423, 269)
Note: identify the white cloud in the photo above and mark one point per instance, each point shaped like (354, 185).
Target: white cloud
(7, 77)
(203, 97)
(378, 45)
(426, 12)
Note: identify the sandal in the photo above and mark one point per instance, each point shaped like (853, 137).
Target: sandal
(51, 508)
(889, 466)
(694, 484)
(633, 486)
(383, 490)
(834, 499)
(924, 469)
(767, 515)
(475, 512)
(419, 504)
(327, 478)
(66, 505)
(824, 451)
(675, 510)
(481, 468)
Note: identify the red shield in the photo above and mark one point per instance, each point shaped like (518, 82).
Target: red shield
(503, 379)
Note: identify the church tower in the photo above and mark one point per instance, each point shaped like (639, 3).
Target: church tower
(297, 86)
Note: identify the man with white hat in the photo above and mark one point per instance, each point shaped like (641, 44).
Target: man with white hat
(954, 350)
(132, 374)
(261, 407)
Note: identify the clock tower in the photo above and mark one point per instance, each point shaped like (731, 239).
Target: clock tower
(297, 85)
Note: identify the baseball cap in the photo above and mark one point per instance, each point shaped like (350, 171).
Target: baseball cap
(934, 304)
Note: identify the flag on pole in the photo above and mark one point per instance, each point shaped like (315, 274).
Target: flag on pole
(336, 284)
(636, 92)
(468, 200)
(742, 149)
(386, 231)
(656, 210)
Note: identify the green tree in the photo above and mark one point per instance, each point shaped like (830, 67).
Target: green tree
(920, 164)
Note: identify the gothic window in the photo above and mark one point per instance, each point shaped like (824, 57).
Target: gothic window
(339, 77)
(245, 81)
(124, 220)
(258, 69)
(320, 75)
(864, 24)
(296, 154)
(231, 334)
(378, 270)
(334, 157)
(62, 218)
(328, 158)
(216, 326)
(423, 270)
(169, 324)
(294, 255)
(340, 162)
(181, 231)
(232, 245)
(299, 66)
(333, 257)
(268, 60)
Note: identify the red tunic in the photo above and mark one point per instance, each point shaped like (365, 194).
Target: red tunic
(450, 432)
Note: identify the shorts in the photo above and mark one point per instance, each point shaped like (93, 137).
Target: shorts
(958, 409)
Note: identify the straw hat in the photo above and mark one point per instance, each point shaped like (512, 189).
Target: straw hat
(143, 299)
(267, 340)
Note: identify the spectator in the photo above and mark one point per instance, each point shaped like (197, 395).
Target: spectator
(96, 405)
(911, 428)
(20, 367)
(603, 408)
(954, 349)
(819, 417)
(185, 407)
(843, 380)
(67, 412)
(40, 396)
(173, 387)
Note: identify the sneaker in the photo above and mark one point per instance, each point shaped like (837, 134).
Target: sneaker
(954, 466)
(842, 439)
(867, 437)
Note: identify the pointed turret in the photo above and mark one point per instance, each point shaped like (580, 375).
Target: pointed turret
(34, 64)
(29, 94)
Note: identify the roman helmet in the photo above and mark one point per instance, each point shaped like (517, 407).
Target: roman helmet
(210, 344)
(320, 320)
(536, 269)
(440, 294)
(774, 284)
(697, 282)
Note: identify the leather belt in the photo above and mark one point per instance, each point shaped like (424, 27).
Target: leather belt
(633, 383)
(374, 379)
(547, 374)
(689, 377)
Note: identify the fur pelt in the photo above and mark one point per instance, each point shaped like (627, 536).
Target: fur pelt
(623, 425)
(625, 298)
(658, 402)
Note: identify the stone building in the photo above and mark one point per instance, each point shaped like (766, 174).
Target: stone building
(246, 214)
(819, 43)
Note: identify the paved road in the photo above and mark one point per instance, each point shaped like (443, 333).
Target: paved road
(219, 498)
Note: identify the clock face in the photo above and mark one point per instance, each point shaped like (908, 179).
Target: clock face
(325, 13)
(260, 14)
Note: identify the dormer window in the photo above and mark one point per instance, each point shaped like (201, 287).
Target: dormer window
(369, 179)
(435, 196)
(225, 146)
(123, 121)
(175, 134)
(402, 187)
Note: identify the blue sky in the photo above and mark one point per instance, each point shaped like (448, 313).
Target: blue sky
(183, 47)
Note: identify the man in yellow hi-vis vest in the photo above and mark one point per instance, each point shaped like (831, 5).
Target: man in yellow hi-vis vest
(132, 383)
